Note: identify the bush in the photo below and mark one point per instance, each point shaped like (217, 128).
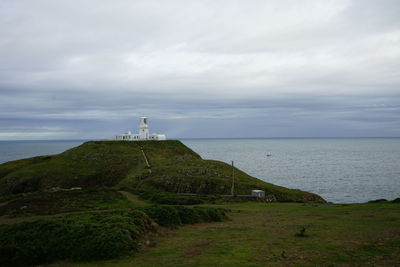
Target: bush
(162, 197)
(210, 214)
(173, 216)
(188, 216)
(381, 200)
(163, 215)
(301, 232)
(91, 237)
(84, 237)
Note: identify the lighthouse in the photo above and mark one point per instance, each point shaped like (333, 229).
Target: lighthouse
(143, 128)
(143, 133)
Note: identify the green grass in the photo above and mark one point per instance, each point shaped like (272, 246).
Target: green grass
(256, 234)
(260, 234)
(92, 236)
(175, 168)
(47, 203)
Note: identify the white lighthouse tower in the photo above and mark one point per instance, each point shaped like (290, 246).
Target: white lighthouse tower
(143, 128)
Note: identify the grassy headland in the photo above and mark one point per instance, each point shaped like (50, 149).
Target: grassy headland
(173, 168)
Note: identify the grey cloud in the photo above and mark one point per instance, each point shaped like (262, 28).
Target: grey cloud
(281, 68)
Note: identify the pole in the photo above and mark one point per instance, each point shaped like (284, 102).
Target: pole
(233, 180)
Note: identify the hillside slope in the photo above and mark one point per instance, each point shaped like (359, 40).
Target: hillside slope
(170, 166)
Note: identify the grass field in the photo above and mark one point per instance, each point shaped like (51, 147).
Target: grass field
(260, 234)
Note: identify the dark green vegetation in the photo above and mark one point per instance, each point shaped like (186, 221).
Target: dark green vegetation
(92, 236)
(264, 234)
(382, 200)
(168, 198)
(45, 203)
(173, 168)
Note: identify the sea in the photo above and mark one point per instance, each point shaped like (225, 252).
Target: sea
(341, 170)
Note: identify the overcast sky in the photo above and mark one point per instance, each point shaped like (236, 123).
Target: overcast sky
(88, 69)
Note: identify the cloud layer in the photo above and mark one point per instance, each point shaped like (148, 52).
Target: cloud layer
(88, 69)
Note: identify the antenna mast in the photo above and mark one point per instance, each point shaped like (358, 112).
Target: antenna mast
(233, 180)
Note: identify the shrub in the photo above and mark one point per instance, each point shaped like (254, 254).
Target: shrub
(162, 197)
(301, 232)
(188, 216)
(92, 237)
(173, 216)
(163, 215)
(84, 237)
(381, 200)
(210, 214)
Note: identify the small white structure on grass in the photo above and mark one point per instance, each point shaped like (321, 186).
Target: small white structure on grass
(143, 133)
(258, 193)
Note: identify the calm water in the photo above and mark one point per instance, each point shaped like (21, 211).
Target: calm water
(340, 170)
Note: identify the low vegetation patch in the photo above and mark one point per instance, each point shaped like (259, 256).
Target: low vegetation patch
(46, 203)
(161, 197)
(301, 232)
(383, 200)
(173, 216)
(378, 200)
(92, 237)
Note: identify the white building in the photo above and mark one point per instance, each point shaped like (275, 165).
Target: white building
(143, 133)
(258, 193)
